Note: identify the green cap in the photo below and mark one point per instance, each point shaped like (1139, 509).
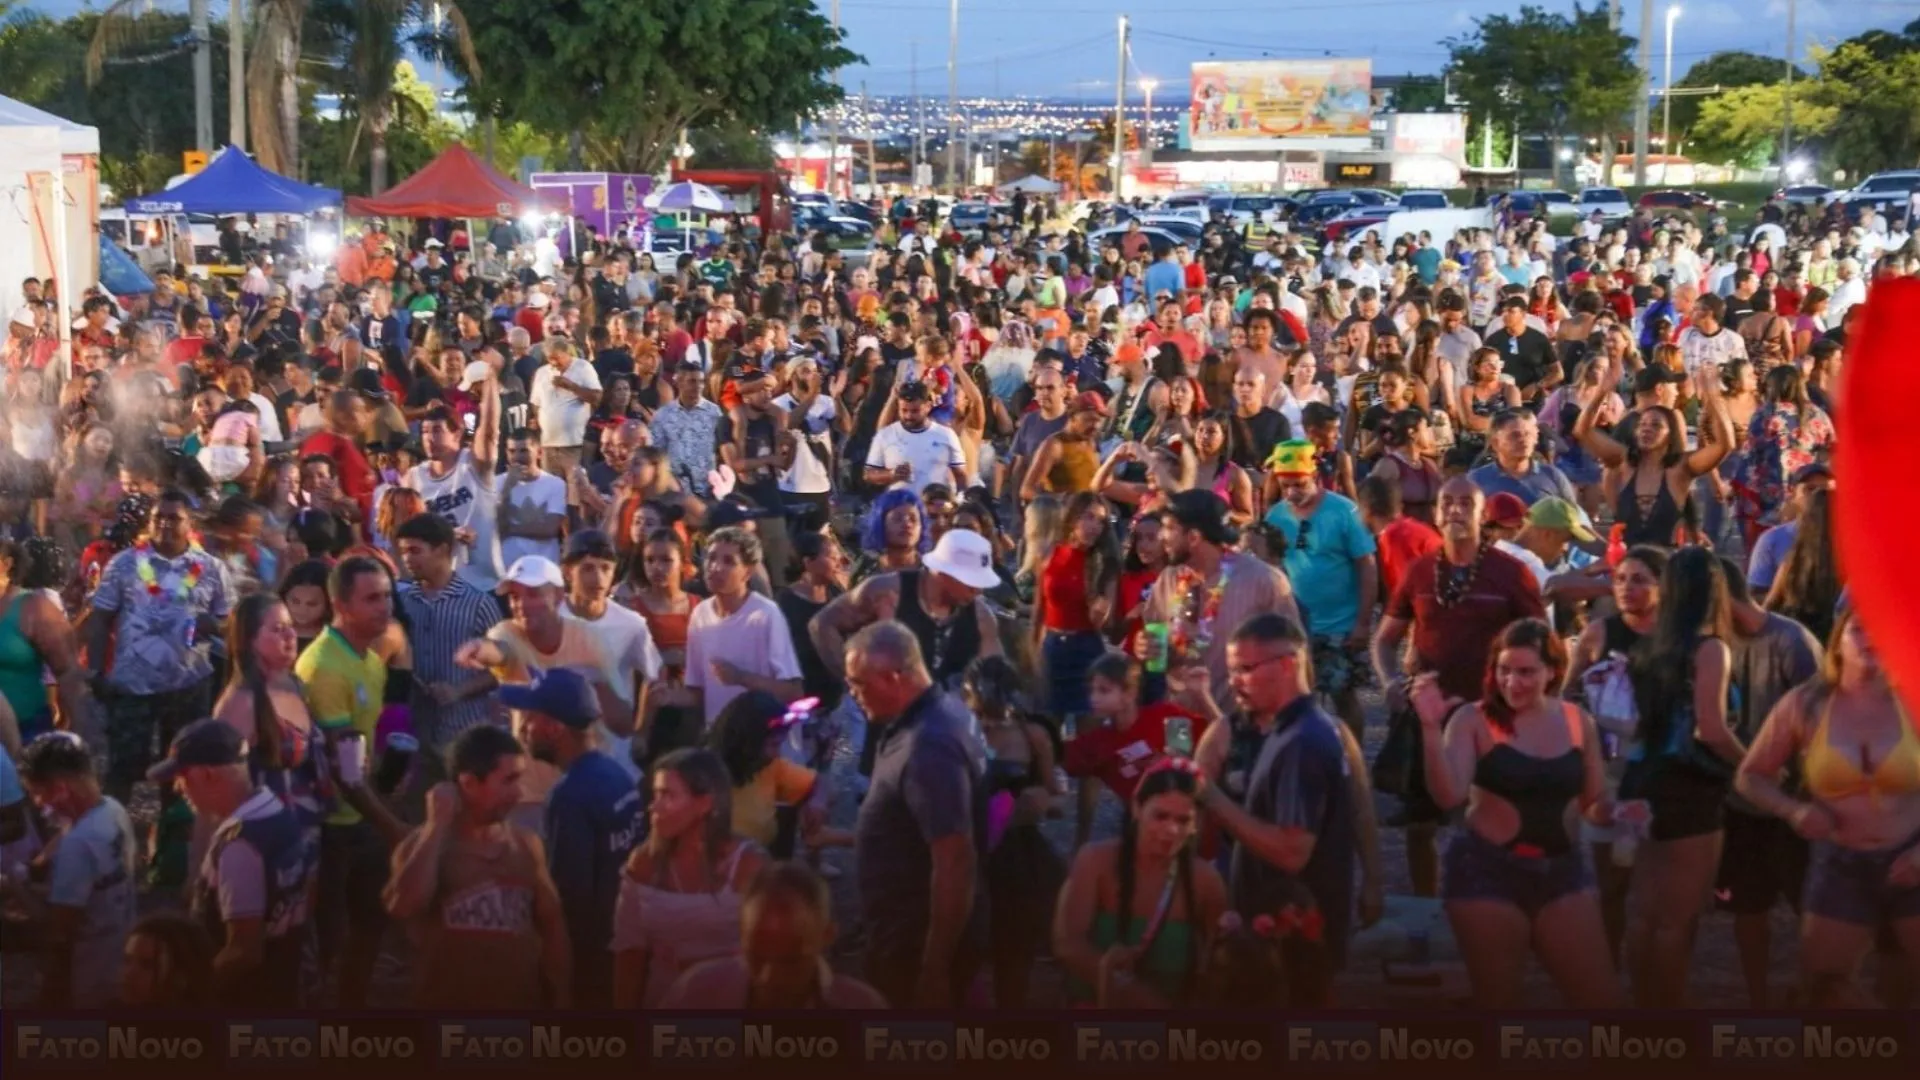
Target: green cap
(1554, 512)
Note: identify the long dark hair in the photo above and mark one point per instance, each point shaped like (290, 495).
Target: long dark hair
(739, 734)
(1693, 607)
(1161, 782)
(1809, 585)
(706, 776)
(242, 627)
(1103, 558)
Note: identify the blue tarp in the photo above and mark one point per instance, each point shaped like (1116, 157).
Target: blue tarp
(119, 274)
(233, 183)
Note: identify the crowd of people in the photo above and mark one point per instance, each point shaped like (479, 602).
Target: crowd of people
(586, 617)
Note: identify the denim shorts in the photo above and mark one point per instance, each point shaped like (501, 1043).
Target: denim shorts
(1850, 886)
(1476, 868)
(1068, 655)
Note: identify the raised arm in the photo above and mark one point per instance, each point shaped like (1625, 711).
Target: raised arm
(869, 602)
(1586, 430)
(1716, 427)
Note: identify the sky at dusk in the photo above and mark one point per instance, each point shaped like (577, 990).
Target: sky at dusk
(1066, 48)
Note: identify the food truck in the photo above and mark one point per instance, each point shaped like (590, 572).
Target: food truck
(604, 203)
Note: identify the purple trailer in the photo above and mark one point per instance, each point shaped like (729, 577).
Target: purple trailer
(603, 202)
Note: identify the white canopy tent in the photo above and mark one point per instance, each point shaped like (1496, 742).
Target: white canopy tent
(1032, 185)
(49, 207)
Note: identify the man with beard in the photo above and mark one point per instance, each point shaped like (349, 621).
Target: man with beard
(592, 820)
(754, 453)
(914, 451)
(458, 484)
(1329, 558)
(1454, 603)
(490, 929)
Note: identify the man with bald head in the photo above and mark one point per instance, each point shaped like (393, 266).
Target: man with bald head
(1452, 603)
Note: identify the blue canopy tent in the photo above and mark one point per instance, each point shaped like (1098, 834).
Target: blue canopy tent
(233, 183)
(119, 274)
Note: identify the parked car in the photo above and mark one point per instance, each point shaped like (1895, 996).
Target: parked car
(1611, 202)
(1674, 199)
(1423, 200)
(1355, 222)
(1559, 203)
(1188, 230)
(1157, 238)
(1805, 194)
(1883, 190)
(969, 217)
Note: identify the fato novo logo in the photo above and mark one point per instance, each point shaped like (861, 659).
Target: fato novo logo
(695, 1041)
(1872, 1042)
(92, 1042)
(515, 1042)
(299, 1041)
(1544, 1044)
(1366, 1045)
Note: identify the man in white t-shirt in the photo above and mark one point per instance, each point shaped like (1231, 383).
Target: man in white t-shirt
(737, 639)
(914, 451)
(589, 567)
(458, 485)
(532, 504)
(810, 414)
(564, 393)
(1706, 342)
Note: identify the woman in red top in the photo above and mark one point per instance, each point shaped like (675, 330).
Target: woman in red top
(1074, 600)
(1140, 565)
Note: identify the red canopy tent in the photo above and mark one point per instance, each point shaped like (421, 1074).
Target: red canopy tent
(457, 184)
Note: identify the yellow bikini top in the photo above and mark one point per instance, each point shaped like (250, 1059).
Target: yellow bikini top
(1831, 774)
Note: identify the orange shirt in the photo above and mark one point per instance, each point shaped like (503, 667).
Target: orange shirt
(351, 262)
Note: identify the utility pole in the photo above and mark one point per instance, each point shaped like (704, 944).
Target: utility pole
(919, 113)
(202, 76)
(1643, 108)
(1146, 124)
(833, 124)
(236, 74)
(1120, 111)
(1786, 100)
(873, 156)
(953, 89)
(1666, 99)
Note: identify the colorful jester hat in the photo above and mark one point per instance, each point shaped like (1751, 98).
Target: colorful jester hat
(1293, 458)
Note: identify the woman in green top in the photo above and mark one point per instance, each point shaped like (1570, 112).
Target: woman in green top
(1149, 882)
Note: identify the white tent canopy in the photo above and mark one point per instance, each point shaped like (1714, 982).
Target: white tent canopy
(1032, 185)
(74, 138)
(49, 205)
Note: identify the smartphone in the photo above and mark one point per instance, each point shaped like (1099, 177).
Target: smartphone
(1180, 737)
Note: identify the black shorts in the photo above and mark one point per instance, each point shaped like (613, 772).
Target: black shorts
(1762, 861)
(353, 872)
(1685, 801)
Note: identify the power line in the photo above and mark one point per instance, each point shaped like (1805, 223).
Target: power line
(1018, 54)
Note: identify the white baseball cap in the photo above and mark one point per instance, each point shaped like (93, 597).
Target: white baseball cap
(964, 556)
(477, 371)
(533, 571)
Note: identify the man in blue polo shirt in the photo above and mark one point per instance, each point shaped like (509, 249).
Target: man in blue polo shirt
(592, 820)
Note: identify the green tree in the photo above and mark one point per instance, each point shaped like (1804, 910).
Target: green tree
(415, 135)
(1742, 125)
(1419, 93)
(1730, 70)
(35, 60)
(361, 45)
(632, 76)
(1548, 72)
(1873, 83)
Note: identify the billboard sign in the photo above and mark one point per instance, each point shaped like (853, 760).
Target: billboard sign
(1281, 105)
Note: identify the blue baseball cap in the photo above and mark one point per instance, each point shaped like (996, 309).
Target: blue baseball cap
(561, 693)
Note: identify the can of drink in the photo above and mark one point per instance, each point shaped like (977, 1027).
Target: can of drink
(350, 755)
(1158, 636)
(395, 761)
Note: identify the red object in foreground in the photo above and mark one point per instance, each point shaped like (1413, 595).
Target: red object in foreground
(1873, 459)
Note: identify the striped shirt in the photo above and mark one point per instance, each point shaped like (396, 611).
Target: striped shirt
(439, 623)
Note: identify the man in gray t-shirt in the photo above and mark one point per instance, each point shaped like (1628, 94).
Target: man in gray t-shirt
(91, 890)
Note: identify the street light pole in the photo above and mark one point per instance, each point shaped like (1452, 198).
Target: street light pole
(1786, 100)
(953, 91)
(1666, 98)
(1120, 113)
(1643, 108)
(1146, 127)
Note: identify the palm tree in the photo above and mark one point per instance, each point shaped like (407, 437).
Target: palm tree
(273, 55)
(361, 43)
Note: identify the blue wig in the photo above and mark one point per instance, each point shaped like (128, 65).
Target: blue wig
(873, 536)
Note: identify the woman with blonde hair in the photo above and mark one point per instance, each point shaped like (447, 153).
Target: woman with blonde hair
(1858, 802)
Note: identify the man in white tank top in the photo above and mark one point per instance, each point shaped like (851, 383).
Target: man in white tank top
(458, 484)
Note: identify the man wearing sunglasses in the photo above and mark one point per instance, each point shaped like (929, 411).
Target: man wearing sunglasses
(1329, 555)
